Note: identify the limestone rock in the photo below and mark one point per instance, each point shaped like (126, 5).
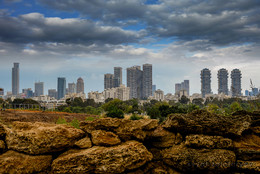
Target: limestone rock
(14, 162)
(2, 146)
(162, 138)
(191, 160)
(104, 138)
(2, 131)
(84, 143)
(248, 166)
(209, 142)
(125, 129)
(202, 122)
(40, 138)
(248, 147)
(116, 159)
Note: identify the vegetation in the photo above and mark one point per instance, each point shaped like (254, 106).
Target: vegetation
(74, 122)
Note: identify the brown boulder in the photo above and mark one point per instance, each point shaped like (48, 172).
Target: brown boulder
(202, 122)
(162, 138)
(2, 131)
(247, 147)
(209, 142)
(116, 159)
(248, 166)
(2, 146)
(199, 160)
(14, 162)
(40, 138)
(125, 129)
(104, 138)
(84, 143)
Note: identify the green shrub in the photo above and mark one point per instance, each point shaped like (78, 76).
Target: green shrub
(90, 118)
(67, 109)
(74, 123)
(136, 117)
(61, 121)
(115, 113)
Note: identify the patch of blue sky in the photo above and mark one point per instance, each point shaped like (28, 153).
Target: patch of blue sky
(30, 6)
(152, 2)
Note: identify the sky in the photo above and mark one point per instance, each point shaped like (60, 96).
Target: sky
(87, 38)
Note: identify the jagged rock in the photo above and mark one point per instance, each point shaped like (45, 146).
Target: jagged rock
(158, 167)
(2, 146)
(2, 131)
(40, 138)
(116, 159)
(104, 138)
(248, 147)
(209, 142)
(84, 143)
(191, 160)
(162, 138)
(248, 166)
(256, 130)
(125, 129)
(202, 122)
(14, 162)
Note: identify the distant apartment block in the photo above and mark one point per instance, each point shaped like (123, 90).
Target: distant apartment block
(185, 85)
(205, 77)
(28, 92)
(153, 89)
(38, 89)
(80, 85)
(61, 87)
(117, 77)
(236, 82)
(15, 79)
(147, 81)
(2, 92)
(71, 88)
(223, 81)
(108, 81)
(159, 95)
(53, 93)
(135, 81)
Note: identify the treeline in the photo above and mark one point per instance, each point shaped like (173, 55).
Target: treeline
(158, 109)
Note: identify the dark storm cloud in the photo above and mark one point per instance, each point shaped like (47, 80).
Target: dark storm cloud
(219, 21)
(34, 27)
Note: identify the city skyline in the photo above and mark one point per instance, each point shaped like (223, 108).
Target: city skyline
(53, 39)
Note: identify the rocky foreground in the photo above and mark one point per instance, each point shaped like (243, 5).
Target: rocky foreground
(198, 142)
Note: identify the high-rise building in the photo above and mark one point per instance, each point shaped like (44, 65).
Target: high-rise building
(117, 77)
(205, 76)
(72, 88)
(178, 87)
(147, 81)
(154, 89)
(246, 93)
(61, 87)
(80, 85)
(255, 91)
(135, 81)
(236, 82)
(223, 81)
(52, 93)
(28, 92)
(108, 81)
(185, 85)
(15, 79)
(38, 89)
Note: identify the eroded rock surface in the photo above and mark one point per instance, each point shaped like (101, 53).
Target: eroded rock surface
(84, 143)
(248, 166)
(116, 159)
(41, 138)
(2, 131)
(202, 122)
(14, 162)
(104, 138)
(209, 142)
(190, 160)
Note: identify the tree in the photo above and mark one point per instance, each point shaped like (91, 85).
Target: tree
(115, 113)
(184, 100)
(198, 101)
(235, 106)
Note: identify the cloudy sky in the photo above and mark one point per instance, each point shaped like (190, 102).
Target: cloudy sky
(87, 38)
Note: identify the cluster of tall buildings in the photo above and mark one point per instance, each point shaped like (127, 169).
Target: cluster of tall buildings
(183, 86)
(139, 81)
(58, 93)
(222, 82)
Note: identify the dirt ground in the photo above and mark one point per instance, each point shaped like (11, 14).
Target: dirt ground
(10, 115)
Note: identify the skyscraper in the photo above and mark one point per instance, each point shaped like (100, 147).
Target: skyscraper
(236, 82)
(117, 76)
(28, 92)
(108, 81)
(205, 76)
(223, 81)
(154, 89)
(177, 88)
(38, 89)
(80, 85)
(15, 79)
(147, 81)
(186, 86)
(61, 87)
(135, 81)
(72, 88)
